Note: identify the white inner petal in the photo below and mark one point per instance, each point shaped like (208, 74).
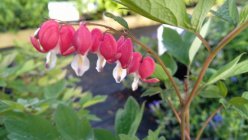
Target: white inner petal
(135, 83)
(118, 73)
(101, 62)
(51, 59)
(80, 64)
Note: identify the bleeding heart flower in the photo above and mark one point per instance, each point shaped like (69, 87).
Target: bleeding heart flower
(141, 69)
(108, 48)
(66, 34)
(82, 42)
(125, 49)
(46, 40)
(97, 38)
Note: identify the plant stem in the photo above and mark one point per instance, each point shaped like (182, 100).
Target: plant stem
(211, 56)
(199, 133)
(204, 41)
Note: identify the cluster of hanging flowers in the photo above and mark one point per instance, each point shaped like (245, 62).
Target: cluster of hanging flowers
(53, 38)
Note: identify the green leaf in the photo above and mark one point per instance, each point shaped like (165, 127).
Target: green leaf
(54, 90)
(127, 137)
(93, 100)
(127, 120)
(154, 135)
(175, 46)
(8, 59)
(171, 12)
(228, 12)
(245, 95)
(240, 104)
(3, 83)
(159, 73)
(27, 66)
(118, 19)
(238, 101)
(243, 17)
(240, 68)
(70, 126)
(200, 12)
(26, 127)
(196, 44)
(225, 71)
(102, 134)
(151, 91)
(215, 91)
(169, 62)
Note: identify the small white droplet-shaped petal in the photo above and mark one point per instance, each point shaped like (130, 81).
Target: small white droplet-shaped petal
(101, 62)
(80, 64)
(118, 73)
(51, 59)
(36, 32)
(135, 83)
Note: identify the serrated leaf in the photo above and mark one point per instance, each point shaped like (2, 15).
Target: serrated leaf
(175, 46)
(54, 90)
(159, 73)
(228, 12)
(243, 16)
(26, 127)
(225, 71)
(118, 19)
(200, 12)
(70, 126)
(196, 44)
(151, 91)
(127, 120)
(171, 12)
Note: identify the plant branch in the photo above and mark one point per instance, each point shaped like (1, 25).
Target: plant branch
(199, 133)
(204, 42)
(211, 56)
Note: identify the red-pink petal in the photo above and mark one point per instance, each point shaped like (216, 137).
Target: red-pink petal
(135, 63)
(108, 48)
(147, 67)
(120, 41)
(152, 80)
(96, 39)
(36, 44)
(82, 39)
(66, 37)
(49, 35)
(126, 50)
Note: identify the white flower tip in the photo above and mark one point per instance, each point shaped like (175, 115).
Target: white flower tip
(80, 64)
(118, 73)
(135, 83)
(51, 59)
(101, 62)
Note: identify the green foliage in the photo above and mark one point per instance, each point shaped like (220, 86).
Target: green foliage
(20, 14)
(200, 13)
(170, 12)
(70, 126)
(228, 12)
(159, 73)
(243, 17)
(231, 69)
(215, 91)
(127, 120)
(26, 127)
(118, 19)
